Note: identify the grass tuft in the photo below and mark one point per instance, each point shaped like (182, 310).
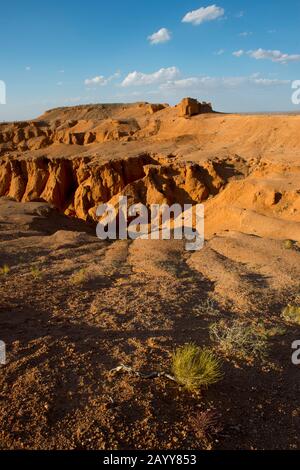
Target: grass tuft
(35, 272)
(288, 244)
(291, 314)
(5, 270)
(194, 367)
(79, 277)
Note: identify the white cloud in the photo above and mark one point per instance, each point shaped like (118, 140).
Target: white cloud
(183, 83)
(270, 82)
(240, 14)
(100, 80)
(245, 34)
(238, 53)
(203, 14)
(274, 56)
(28, 68)
(161, 36)
(220, 52)
(140, 79)
(206, 82)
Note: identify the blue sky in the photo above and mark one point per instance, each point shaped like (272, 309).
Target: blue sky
(240, 55)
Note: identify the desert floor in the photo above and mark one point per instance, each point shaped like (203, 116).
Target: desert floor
(73, 307)
(134, 303)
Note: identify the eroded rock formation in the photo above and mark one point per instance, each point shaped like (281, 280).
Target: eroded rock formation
(245, 168)
(77, 186)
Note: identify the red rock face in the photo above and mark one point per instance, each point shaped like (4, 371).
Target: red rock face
(77, 186)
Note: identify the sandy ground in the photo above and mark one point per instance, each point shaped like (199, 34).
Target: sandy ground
(135, 302)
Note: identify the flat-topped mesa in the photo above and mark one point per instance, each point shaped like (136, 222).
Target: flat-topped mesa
(191, 107)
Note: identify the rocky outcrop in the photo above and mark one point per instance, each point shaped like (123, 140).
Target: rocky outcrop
(29, 136)
(77, 186)
(190, 107)
(154, 108)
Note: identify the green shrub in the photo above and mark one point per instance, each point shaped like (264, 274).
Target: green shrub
(291, 314)
(194, 367)
(240, 340)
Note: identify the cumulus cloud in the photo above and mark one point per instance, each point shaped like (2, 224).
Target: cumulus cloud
(142, 79)
(100, 80)
(274, 56)
(238, 53)
(161, 36)
(203, 14)
(169, 80)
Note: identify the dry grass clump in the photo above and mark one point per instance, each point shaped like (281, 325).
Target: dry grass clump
(206, 424)
(291, 314)
(194, 367)
(241, 340)
(207, 307)
(5, 270)
(79, 277)
(288, 244)
(35, 272)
